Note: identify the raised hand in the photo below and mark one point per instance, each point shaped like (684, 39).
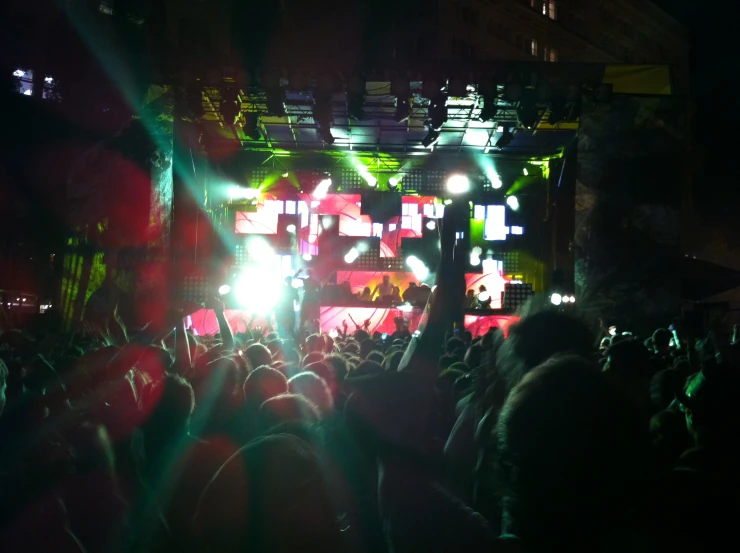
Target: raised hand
(216, 304)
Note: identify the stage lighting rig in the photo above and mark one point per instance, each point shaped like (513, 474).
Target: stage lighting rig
(322, 115)
(401, 89)
(251, 126)
(490, 109)
(356, 99)
(505, 139)
(430, 139)
(458, 184)
(437, 112)
(231, 103)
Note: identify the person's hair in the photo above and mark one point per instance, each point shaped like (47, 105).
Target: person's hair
(313, 357)
(173, 403)
(338, 365)
(474, 356)
(286, 408)
(538, 337)
(367, 368)
(258, 355)
(351, 347)
(366, 346)
(596, 445)
(454, 344)
(263, 383)
(314, 388)
(315, 343)
(376, 356)
(392, 361)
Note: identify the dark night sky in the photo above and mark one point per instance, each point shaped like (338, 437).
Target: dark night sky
(714, 69)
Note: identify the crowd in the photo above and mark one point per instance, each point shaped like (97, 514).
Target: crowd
(552, 438)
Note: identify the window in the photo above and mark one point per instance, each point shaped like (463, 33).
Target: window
(550, 9)
(533, 47)
(551, 54)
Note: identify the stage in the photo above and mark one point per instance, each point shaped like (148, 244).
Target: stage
(203, 322)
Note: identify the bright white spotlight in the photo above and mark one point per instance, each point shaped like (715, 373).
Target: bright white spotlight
(307, 257)
(572, 299)
(495, 180)
(526, 172)
(406, 308)
(290, 229)
(566, 299)
(257, 289)
(489, 266)
(224, 289)
(556, 299)
(242, 193)
(322, 188)
(372, 182)
(458, 184)
(421, 272)
(484, 296)
(513, 202)
(431, 225)
(260, 251)
(351, 256)
(474, 260)
(393, 182)
(333, 333)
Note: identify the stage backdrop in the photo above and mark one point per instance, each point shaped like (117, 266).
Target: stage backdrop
(630, 169)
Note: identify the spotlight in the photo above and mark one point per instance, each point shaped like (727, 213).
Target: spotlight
(489, 266)
(496, 182)
(351, 256)
(251, 126)
(322, 115)
(474, 260)
(326, 135)
(275, 97)
(403, 110)
(526, 172)
(224, 289)
(260, 251)
(556, 299)
(430, 139)
(242, 193)
(290, 229)
(437, 112)
(431, 225)
(231, 103)
(513, 203)
(307, 257)
(258, 289)
(490, 109)
(372, 182)
(483, 297)
(505, 138)
(421, 272)
(458, 184)
(322, 188)
(393, 182)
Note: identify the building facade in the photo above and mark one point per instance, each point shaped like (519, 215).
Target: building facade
(590, 31)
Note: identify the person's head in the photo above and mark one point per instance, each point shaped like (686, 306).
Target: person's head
(258, 355)
(661, 341)
(412, 285)
(396, 290)
(386, 279)
(263, 383)
(271, 496)
(288, 281)
(376, 356)
(628, 358)
(367, 368)
(481, 288)
(173, 404)
(338, 366)
(538, 337)
(470, 294)
(366, 346)
(366, 291)
(392, 361)
(596, 446)
(314, 388)
(287, 408)
(313, 357)
(314, 342)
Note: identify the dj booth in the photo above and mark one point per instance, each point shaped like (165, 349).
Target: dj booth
(381, 319)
